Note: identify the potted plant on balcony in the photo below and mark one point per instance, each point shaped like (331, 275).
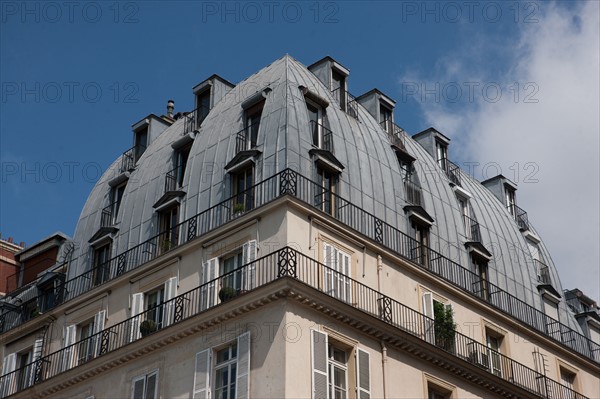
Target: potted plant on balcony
(238, 209)
(148, 326)
(226, 293)
(165, 245)
(444, 327)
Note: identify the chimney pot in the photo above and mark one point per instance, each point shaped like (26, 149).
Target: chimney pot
(10, 240)
(170, 108)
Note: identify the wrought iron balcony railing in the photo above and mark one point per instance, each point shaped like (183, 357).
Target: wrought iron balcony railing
(193, 120)
(413, 192)
(543, 273)
(452, 170)
(520, 216)
(130, 158)
(346, 101)
(172, 180)
(322, 136)
(289, 182)
(107, 217)
(396, 134)
(245, 139)
(282, 264)
(472, 229)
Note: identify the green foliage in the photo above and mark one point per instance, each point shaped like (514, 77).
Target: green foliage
(445, 327)
(239, 208)
(148, 326)
(227, 293)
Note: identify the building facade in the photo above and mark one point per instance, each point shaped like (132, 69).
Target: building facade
(9, 268)
(287, 239)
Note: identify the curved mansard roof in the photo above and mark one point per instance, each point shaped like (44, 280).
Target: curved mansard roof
(371, 178)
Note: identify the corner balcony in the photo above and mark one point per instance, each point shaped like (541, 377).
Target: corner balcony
(291, 183)
(312, 283)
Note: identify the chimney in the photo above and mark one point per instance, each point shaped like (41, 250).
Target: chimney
(170, 108)
(10, 240)
(22, 244)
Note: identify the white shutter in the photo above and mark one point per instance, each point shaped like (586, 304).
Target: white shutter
(329, 261)
(248, 258)
(243, 367)
(207, 290)
(363, 374)
(137, 387)
(68, 353)
(99, 320)
(137, 305)
(428, 311)
(345, 263)
(169, 308)
(202, 375)
(37, 354)
(319, 365)
(9, 381)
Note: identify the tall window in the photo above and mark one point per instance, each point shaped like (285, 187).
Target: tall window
(325, 195)
(494, 343)
(338, 88)
(510, 200)
(25, 368)
(141, 142)
(337, 372)
(101, 265)
(482, 287)
(435, 392)
(252, 123)
(117, 197)
(169, 228)
(463, 203)
(567, 378)
(385, 115)
(86, 347)
(442, 154)
(232, 263)
(315, 117)
(145, 386)
(181, 163)
(226, 372)
(243, 190)
(337, 273)
(154, 300)
(202, 106)
(421, 243)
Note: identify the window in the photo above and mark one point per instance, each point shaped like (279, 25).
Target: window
(252, 123)
(233, 279)
(442, 154)
(141, 142)
(169, 229)
(440, 330)
(337, 273)
(463, 204)
(154, 309)
(338, 88)
(116, 197)
(181, 163)
(243, 190)
(202, 106)
(494, 343)
(436, 392)
(332, 361)
(321, 136)
(567, 378)
(421, 243)
(510, 200)
(385, 118)
(145, 386)
(325, 195)
(223, 373)
(25, 373)
(101, 265)
(86, 347)
(482, 286)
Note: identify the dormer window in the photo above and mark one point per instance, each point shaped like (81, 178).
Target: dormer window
(141, 142)
(181, 159)
(441, 150)
(338, 87)
(202, 106)
(252, 123)
(510, 200)
(386, 118)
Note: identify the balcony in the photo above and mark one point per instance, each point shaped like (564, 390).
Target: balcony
(520, 216)
(543, 273)
(452, 171)
(193, 120)
(173, 180)
(130, 158)
(396, 134)
(472, 229)
(413, 193)
(108, 216)
(346, 101)
(322, 136)
(289, 182)
(295, 270)
(245, 139)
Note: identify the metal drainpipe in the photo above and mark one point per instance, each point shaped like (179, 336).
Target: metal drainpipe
(384, 368)
(379, 270)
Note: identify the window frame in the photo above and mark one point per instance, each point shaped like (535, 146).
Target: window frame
(140, 144)
(168, 224)
(252, 122)
(243, 182)
(145, 377)
(101, 263)
(325, 198)
(333, 283)
(231, 386)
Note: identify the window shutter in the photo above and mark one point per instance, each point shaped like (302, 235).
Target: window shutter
(137, 305)
(248, 258)
(202, 375)
(428, 311)
(37, 355)
(8, 366)
(169, 308)
(363, 374)
(99, 320)
(207, 291)
(69, 337)
(243, 367)
(345, 262)
(137, 388)
(319, 365)
(329, 261)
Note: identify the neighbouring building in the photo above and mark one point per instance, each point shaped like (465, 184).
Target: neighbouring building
(287, 239)
(9, 269)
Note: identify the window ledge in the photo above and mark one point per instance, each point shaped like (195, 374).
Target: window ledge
(327, 160)
(417, 214)
(167, 200)
(242, 159)
(103, 233)
(548, 292)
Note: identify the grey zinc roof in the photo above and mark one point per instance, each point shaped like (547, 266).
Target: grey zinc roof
(371, 178)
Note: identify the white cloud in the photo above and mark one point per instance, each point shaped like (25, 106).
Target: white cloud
(560, 55)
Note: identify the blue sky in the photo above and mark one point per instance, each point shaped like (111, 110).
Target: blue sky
(510, 83)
